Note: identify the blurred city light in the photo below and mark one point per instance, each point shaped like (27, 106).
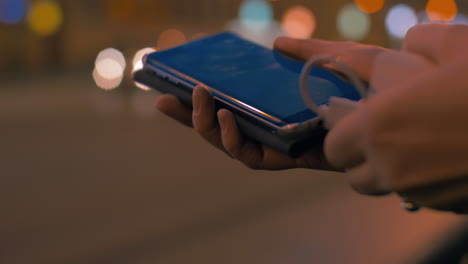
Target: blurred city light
(264, 37)
(256, 13)
(138, 64)
(13, 11)
(299, 22)
(171, 38)
(109, 69)
(256, 23)
(441, 10)
(370, 6)
(460, 19)
(105, 83)
(352, 23)
(110, 63)
(45, 17)
(400, 19)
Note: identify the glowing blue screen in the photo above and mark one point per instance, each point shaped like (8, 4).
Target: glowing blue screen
(255, 75)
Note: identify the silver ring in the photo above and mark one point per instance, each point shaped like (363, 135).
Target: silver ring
(320, 61)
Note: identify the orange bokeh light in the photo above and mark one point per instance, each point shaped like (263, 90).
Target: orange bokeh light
(370, 6)
(171, 38)
(441, 10)
(299, 22)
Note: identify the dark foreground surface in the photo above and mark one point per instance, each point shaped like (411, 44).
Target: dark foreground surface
(88, 176)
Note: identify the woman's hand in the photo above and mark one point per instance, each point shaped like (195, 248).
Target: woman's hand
(220, 129)
(412, 136)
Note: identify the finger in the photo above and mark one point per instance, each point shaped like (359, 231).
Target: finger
(357, 56)
(393, 68)
(234, 143)
(304, 49)
(171, 106)
(204, 117)
(365, 180)
(436, 41)
(343, 144)
(360, 58)
(230, 135)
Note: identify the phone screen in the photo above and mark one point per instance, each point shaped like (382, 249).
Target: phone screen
(257, 76)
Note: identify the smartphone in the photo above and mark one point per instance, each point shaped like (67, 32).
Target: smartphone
(259, 85)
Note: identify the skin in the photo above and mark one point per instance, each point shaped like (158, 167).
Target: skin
(406, 139)
(410, 138)
(220, 129)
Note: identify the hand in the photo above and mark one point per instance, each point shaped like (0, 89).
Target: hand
(411, 137)
(220, 129)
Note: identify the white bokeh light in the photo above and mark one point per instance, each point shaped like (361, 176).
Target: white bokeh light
(400, 19)
(138, 64)
(264, 37)
(105, 83)
(109, 69)
(139, 56)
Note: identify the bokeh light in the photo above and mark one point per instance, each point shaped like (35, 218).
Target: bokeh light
(45, 17)
(400, 19)
(109, 69)
(256, 13)
(441, 10)
(370, 6)
(105, 83)
(352, 23)
(299, 22)
(460, 19)
(264, 37)
(138, 64)
(13, 11)
(171, 38)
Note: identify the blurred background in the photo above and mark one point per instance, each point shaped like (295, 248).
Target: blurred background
(90, 172)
